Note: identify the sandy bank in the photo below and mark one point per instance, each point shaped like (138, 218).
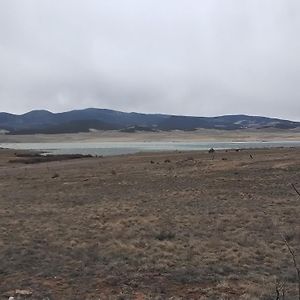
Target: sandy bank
(176, 136)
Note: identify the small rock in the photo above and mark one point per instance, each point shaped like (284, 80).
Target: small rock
(23, 292)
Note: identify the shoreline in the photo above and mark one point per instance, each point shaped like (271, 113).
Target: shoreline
(125, 148)
(33, 156)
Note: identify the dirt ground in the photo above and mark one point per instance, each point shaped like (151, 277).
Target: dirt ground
(151, 226)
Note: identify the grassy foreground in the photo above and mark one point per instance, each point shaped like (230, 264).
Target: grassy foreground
(151, 226)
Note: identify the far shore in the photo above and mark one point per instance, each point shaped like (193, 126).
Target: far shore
(167, 136)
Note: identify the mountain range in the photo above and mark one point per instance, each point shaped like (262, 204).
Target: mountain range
(43, 121)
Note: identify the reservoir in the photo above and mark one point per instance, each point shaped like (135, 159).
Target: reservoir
(119, 148)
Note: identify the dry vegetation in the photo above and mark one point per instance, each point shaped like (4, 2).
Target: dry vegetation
(151, 226)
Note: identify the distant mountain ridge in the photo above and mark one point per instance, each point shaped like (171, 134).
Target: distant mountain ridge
(43, 121)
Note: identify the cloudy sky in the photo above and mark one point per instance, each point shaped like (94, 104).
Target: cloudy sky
(194, 57)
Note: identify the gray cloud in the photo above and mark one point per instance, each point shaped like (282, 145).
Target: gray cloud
(195, 57)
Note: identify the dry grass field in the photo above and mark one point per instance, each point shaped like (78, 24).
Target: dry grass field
(151, 226)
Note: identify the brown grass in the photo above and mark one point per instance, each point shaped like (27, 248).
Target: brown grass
(184, 226)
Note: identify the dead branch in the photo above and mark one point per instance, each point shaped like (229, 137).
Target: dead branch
(280, 288)
(295, 189)
(277, 293)
(288, 246)
(294, 260)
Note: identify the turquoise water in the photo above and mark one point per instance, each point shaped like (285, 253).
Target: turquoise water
(117, 148)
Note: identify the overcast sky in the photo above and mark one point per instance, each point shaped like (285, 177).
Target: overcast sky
(194, 57)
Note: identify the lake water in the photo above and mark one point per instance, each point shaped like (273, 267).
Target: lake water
(117, 148)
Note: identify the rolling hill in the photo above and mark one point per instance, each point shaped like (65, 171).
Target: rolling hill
(42, 121)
